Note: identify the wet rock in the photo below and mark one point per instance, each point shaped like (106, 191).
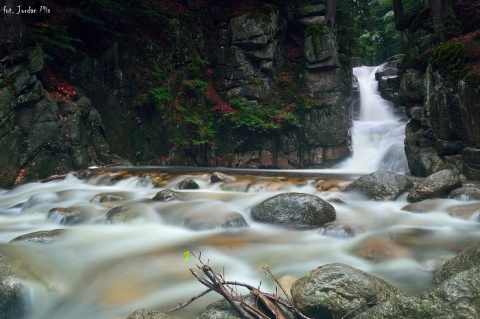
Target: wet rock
(129, 213)
(201, 220)
(436, 185)
(148, 314)
(67, 216)
(165, 195)
(340, 291)
(456, 298)
(468, 258)
(187, 184)
(218, 177)
(41, 237)
(221, 309)
(426, 206)
(381, 249)
(381, 186)
(465, 194)
(467, 211)
(338, 230)
(294, 210)
(38, 200)
(107, 197)
(12, 292)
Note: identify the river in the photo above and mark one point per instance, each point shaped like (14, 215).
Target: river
(105, 271)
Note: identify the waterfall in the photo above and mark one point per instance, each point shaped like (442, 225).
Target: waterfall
(377, 134)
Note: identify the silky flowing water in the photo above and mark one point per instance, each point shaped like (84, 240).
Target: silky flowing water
(106, 271)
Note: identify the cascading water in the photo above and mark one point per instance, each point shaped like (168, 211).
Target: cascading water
(377, 134)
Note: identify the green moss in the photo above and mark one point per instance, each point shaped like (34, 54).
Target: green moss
(315, 31)
(452, 60)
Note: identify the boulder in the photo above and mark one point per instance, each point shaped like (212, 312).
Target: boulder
(468, 258)
(381, 186)
(456, 298)
(187, 184)
(218, 177)
(148, 314)
(165, 195)
(339, 291)
(294, 210)
(130, 214)
(465, 194)
(41, 237)
(12, 291)
(438, 184)
(201, 220)
(107, 197)
(67, 216)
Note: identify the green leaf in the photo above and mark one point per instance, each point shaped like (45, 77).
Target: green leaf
(186, 254)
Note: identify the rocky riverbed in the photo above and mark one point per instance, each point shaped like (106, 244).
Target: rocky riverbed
(102, 243)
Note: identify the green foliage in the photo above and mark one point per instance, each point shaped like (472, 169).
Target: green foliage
(258, 120)
(56, 37)
(195, 85)
(201, 128)
(159, 93)
(254, 80)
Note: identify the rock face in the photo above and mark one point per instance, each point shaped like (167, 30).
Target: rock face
(234, 85)
(381, 186)
(295, 210)
(339, 291)
(436, 185)
(440, 97)
(258, 63)
(44, 132)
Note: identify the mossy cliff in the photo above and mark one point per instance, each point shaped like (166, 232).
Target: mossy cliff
(440, 89)
(207, 83)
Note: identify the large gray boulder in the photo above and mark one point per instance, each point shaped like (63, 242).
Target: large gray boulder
(468, 258)
(381, 186)
(339, 291)
(438, 184)
(294, 210)
(456, 298)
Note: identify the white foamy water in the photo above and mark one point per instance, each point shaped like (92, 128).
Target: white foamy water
(106, 271)
(377, 135)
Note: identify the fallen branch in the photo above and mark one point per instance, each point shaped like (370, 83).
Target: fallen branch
(271, 303)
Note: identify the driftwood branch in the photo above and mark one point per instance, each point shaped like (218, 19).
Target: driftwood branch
(270, 303)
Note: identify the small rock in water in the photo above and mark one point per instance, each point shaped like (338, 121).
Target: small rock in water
(187, 184)
(218, 177)
(39, 199)
(165, 195)
(338, 230)
(41, 237)
(66, 216)
(201, 221)
(107, 197)
(466, 211)
(465, 194)
(381, 249)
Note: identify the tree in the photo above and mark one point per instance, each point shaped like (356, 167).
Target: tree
(398, 14)
(330, 11)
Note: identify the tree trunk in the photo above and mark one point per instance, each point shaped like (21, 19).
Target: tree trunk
(437, 13)
(10, 27)
(330, 12)
(398, 14)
